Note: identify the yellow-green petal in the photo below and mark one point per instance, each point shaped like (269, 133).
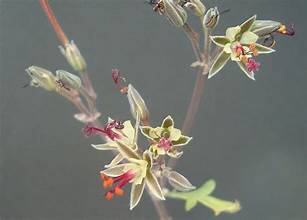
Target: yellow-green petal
(232, 32)
(248, 38)
(219, 63)
(249, 74)
(220, 41)
(246, 26)
(136, 194)
(153, 185)
(263, 49)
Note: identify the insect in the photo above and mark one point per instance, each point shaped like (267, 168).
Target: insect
(158, 6)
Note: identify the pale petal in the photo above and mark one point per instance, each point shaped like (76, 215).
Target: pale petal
(116, 160)
(153, 185)
(136, 194)
(183, 140)
(147, 131)
(220, 41)
(128, 130)
(167, 122)
(246, 26)
(232, 32)
(248, 38)
(263, 49)
(147, 156)
(107, 146)
(179, 182)
(126, 151)
(175, 134)
(119, 169)
(219, 63)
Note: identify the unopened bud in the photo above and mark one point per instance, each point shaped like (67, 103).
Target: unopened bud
(68, 79)
(265, 27)
(211, 18)
(138, 107)
(175, 13)
(197, 7)
(42, 78)
(74, 57)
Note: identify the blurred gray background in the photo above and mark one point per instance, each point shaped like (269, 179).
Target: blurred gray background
(249, 136)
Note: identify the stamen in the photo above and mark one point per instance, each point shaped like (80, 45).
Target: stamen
(118, 191)
(239, 50)
(109, 195)
(252, 65)
(252, 48)
(106, 131)
(165, 143)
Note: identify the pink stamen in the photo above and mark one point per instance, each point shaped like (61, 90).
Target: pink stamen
(165, 143)
(239, 49)
(252, 65)
(116, 75)
(106, 131)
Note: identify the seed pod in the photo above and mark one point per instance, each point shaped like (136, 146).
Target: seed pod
(138, 107)
(74, 57)
(197, 7)
(265, 27)
(175, 13)
(211, 18)
(42, 78)
(70, 80)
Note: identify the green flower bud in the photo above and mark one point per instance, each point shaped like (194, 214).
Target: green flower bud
(265, 27)
(68, 79)
(175, 13)
(211, 18)
(42, 78)
(137, 105)
(197, 7)
(74, 57)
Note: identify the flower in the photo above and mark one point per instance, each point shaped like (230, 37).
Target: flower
(240, 46)
(124, 132)
(165, 139)
(137, 172)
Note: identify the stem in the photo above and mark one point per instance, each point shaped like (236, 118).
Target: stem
(54, 22)
(194, 40)
(198, 91)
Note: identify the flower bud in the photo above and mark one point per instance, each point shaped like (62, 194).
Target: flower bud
(74, 57)
(175, 13)
(197, 7)
(265, 27)
(138, 107)
(68, 79)
(211, 18)
(42, 78)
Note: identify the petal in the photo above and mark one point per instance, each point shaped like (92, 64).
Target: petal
(243, 67)
(136, 194)
(227, 48)
(153, 185)
(147, 156)
(146, 131)
(246, 26)
(107, 146)
(232, 32)
(126, 151)
(263, 49)
(167, 122)
(220, 41)
(179, 182)
(116, 160)
(219, 63)
(128, 130)
(175, 134)
(183, 140)
(248, 38)
(174, 153)
(119, 169)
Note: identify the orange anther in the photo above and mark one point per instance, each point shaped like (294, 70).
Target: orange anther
(244, 59)
(109, 196)
(103, 177)
(252, 48)
(119, 191)
(282, 29)
(108, 182)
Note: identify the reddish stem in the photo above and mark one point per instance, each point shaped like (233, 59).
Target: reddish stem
(54, 22)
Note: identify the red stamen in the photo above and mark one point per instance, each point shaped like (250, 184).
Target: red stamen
(118, 191)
